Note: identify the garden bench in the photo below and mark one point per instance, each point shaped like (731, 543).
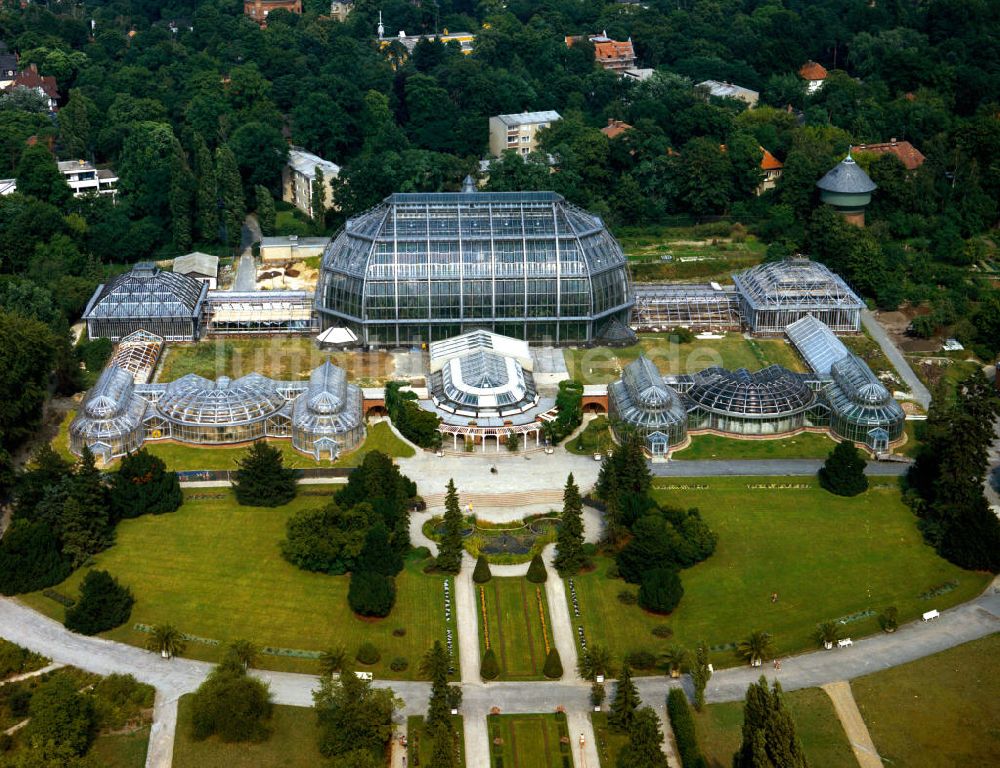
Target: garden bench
(845, 642)
(931, 615)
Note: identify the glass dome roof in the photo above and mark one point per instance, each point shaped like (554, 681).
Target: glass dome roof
(794, 282)
(196, 400)
(642, 399)
(329, 406)
(149, 292)
(770, 392)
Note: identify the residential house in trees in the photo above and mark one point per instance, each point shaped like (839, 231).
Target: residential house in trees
(615, 128)
(83, 178)
(341, 10)
(298, 176)
(8, 66)
(613, 55)
(772, 168)
(31, 80)
(259, 9)
(724, 90)
(911, 157)
(814, 74)
(519, 132)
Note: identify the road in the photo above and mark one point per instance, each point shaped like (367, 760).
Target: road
(764, 467)
(920, 393)
(246, 270)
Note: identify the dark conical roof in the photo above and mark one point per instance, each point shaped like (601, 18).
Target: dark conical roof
(847, 177)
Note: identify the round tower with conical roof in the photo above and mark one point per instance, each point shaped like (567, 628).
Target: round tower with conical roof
(848, 189)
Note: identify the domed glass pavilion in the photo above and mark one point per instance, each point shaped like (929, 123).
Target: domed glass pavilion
(424, 267)
(642, 401)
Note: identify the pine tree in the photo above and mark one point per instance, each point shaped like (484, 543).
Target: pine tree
(443, 753)
(377, 554)
(643, 749)
(625, 702)
(262, 479)
(230, 190)
(142, 486)
(74, 124)
(569, 538)
(449, 557)
(265, 210)
(700, 674)
(482, 573)
(843, 473)
(318, 201)
(182, 186)
(435, 666)
(769, 737)
(206, 200)
(85, 525)
(536, 571)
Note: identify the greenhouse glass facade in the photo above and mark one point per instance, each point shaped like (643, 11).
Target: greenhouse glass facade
(110, 420)
(424, 267)
(327, 418)
(640, 400)
(861, 408)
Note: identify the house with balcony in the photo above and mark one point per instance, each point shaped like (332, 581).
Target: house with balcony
(519, 132)
(84, 178)
(298, 176)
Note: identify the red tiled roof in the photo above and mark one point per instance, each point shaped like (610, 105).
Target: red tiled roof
(30, 78)
(769, 162)
(812, 71)
(613, 49)
(911, 157)
(615, 128)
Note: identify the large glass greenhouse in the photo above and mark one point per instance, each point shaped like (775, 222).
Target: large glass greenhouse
(774, 295)
(149, 299)
(423, 267)
(327, 418)
(641, 400)
(110, 419)
(861, 408)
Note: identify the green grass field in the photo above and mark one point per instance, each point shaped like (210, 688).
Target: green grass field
(214, 570)
(126, 750)
(293, 743)
(601, 365)
(695, 253)
(805, 445)
(419, 750)
(515, 626)
(939, 712)
(530, 741)
(285, 358)
(609, 743)
(596, 436)
(827, 557)
(823, 738)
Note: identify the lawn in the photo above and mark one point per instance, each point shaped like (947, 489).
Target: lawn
(380, 437)
(214, 570)
(419, 750)
(805, 445)
(293, 743)
(865, 347)
(595, 437)
(939, 711)
(601, 365)
(515, 627)
(126, 750)
(530, 741)
(693, 253)
(823, 739)
(827, 557)
(608, 742)
(285, 358)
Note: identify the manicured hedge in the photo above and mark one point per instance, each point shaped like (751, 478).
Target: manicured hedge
(682, 723)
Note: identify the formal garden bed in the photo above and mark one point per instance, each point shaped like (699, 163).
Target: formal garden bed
(826, 557)
(514, 623)
(530, 741)
(214, 570)
(502, 543)
(609, 742)
(419, 749)
(939, 710)
(823, 739)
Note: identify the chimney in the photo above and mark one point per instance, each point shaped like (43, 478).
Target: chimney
(893, 141)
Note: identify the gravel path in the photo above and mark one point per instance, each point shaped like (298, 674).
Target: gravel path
(854, 726)
(920, 393)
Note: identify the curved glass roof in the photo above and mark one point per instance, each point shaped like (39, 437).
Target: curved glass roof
(816, 343)
(772, 391)
(470, 373)
(192, 399)
(794, 283)
(112, 408)
(146, 291)
(329, 405)
(847, 177)
(643, 399)
(859, 382)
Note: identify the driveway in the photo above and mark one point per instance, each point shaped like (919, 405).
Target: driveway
(920, 393)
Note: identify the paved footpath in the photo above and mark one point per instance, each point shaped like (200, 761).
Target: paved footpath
(854, 726)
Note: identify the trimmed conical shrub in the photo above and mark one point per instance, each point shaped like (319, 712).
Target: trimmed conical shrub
(489, 669)
(536, 571)
(553, 668)
(482, 573)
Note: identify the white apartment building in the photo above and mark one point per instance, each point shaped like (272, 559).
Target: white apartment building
(519, 132)
(298, 176)
(84, 178)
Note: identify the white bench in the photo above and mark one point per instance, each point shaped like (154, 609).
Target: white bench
(931, 615)
(845, 642)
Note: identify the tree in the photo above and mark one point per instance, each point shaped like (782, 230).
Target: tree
(84, 524)
(244, 653)
(596, 661)
(443, 753)
(623, 485)
(449, 557)
(206, 196)
(62, 716)
(318, 201)
(230, 193)
(643, 749)
(166, 640)
(482, 574)
(75, 124)
(182, 193)
(706, 182)
(769, 738)
(104, 604)
(553, 668)
(597, 694)
(145, 170)
(260, 152)
(489, 668)
(332, 660)
(682, 724)
(700, 674)
(26, 360)
(661, 590)
(353, 716)
(843, 473)
(674, 658)
(371, 594)
(569, 538)
(435, 665)
(328, 540)
(755, 647)
(827, 633)
(231, 705)
(31, 558)
(142, 485)
(39, 176)
(625, 702)
(536, 570)
(377, 555)
(265, 210)
(262, 479)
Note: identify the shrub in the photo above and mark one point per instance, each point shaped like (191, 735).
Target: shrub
(368, 654)
(142, 485)
(421, 553)
(103, 604)
(231, 705)
(613, 572)
(663, 631)
(482, 573)
(14, 659)
(627, 597)
(399, 632)
(490, 668)
(119, 699)
(553, 668)
(888, 620)
(536, 571)
(399, 664)
(641, 660)
(682, 722)
(661, 590)
(843, 473)
(62, 715)
(371, 594)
